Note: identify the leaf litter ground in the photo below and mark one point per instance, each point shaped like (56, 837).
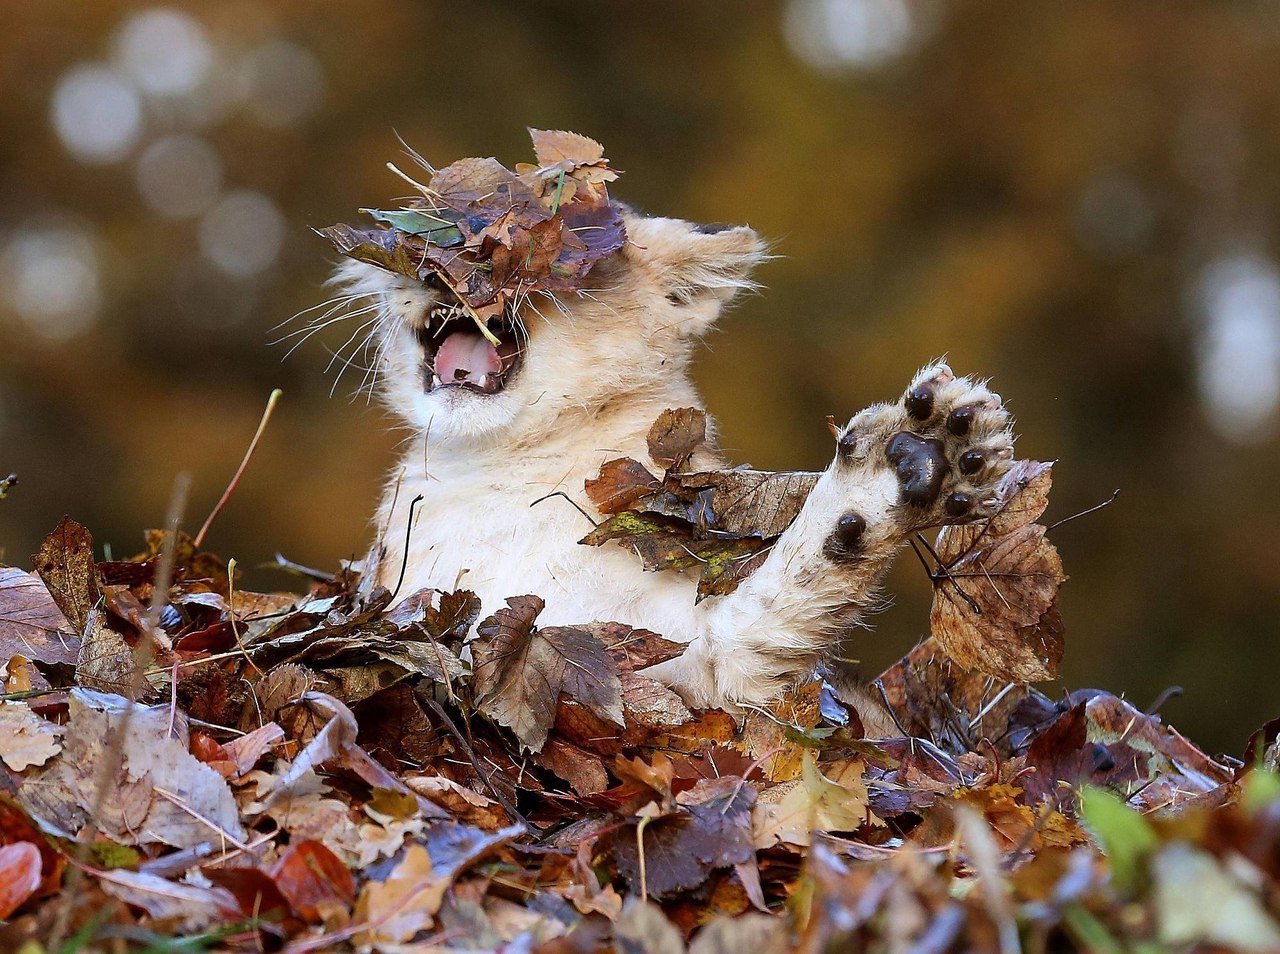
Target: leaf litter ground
(191, 766)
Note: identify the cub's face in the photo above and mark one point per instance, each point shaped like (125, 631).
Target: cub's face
(626, 332)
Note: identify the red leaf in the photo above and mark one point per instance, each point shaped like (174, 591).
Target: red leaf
(310, 877)
(19, 875)
(255, 892)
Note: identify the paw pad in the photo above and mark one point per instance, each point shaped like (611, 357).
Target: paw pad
(846, 539)
(960, 420)
(971, 462)
(921, 465)
(919, 402)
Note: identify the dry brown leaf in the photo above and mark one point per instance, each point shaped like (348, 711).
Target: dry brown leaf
(751, 503)
(65, 563)
(31, 625)
(994, 596)
(157, 791)
(621, 484)
(521, 670)
(25, 738)
(675, 435)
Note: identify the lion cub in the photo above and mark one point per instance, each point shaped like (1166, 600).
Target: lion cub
(501, 431)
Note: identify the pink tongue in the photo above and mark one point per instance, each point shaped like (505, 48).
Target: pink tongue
(466, 356)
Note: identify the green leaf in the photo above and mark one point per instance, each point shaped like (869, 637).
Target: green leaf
(434, 228)
(1126, 838)
(1261, 788)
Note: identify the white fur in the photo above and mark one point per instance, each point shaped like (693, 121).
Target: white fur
(599, 368)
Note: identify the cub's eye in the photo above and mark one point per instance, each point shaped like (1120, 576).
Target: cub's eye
(433, 281)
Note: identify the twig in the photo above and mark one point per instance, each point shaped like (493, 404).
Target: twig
(1084, 513)
(408, 535)
(248, 456)
(231, 614)
(113, 754)
(475, 764)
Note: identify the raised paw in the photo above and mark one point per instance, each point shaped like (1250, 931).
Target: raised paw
(946, 442)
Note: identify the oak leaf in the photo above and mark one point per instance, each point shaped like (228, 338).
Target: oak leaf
(25, 738)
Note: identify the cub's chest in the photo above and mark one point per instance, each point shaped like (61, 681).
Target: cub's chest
(473, 535)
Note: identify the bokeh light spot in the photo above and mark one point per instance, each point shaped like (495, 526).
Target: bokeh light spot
(179, 176)
(849, 34)
(1239, 348)
(286, 83)
(167, 52)
(96, 113)
(243, 233)
(49, 277)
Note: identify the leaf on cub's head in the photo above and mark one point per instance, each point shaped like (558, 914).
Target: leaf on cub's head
(521, 670)
(493, 236)
(676, 434)
(558, 147)
(995, 593)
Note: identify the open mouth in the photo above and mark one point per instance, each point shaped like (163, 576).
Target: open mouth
(457, 355)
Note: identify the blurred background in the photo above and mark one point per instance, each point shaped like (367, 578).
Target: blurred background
(1080, 200)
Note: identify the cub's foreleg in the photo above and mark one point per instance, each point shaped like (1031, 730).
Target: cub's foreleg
(929, 459)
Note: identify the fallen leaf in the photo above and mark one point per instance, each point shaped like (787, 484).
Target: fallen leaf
(19, 875)
(675, 435)
(642, 928)
(620, 485)
(750, 503)
(65, 563)
(31, 624)
(156, 790)
(995, 592)
(813, 803)
(521, 670)
(313, 881)
(25, 738)
(184, 907)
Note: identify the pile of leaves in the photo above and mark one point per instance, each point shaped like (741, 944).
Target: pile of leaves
(191, 766)
(493, 236)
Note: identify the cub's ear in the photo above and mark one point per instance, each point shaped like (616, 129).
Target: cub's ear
(696, 264)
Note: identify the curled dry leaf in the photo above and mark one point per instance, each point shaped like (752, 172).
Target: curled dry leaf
(314, 882)
(521, 670)
(995, 592)
(622, 483)
(675, 435)
(25, 738)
